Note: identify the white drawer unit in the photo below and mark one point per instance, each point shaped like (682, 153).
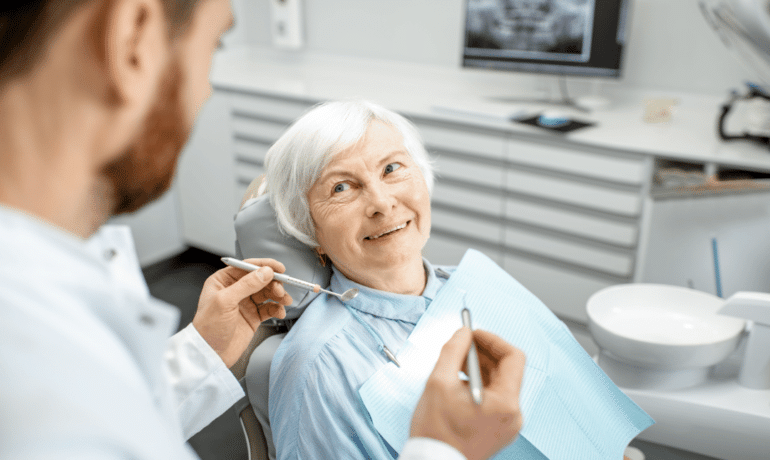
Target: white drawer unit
(594, 257)
(573, 191)
(576, 210)
(455, 139)
(205, 180)
(577, 160)
(249, 151)
(259, 130)
(467, 169)
(473, 200)
(455, 222)
(608, 229)
(268, 107)
(256, 123)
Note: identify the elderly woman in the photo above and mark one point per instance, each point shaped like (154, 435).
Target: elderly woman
(353, 181)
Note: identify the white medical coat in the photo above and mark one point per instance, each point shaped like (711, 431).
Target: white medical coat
(86, 366)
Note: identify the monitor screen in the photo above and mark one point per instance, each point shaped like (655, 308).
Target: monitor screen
(567, 37)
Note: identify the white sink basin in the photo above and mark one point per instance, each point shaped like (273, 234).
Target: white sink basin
(662, 327)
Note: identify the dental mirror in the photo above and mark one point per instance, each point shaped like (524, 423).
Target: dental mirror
(345, 296)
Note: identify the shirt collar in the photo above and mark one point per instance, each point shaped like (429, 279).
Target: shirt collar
(388, 305)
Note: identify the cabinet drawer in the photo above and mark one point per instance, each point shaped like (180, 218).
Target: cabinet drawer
(613, 262)
(247, 172)
(455, 140)
(250, 151)
(571, 192)
(279, 110)
(468, 170)
(576, 223)
(473, 200)
(565, 292)
(446, 250)
(459, 223)
(630, 170)
(258, 131)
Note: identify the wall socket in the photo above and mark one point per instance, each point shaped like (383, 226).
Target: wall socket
(286, 23)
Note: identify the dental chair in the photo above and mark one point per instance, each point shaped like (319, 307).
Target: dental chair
(257, 235)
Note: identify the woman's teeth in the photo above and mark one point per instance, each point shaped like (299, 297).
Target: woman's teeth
(389, 231)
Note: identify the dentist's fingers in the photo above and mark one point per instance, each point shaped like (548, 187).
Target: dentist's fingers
(502, 364)
(241, 285)
(259, 285)
(268, 310)
(232, 305)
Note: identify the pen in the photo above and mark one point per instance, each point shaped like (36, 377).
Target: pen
(474, 371)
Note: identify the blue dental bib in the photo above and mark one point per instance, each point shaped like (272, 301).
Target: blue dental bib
(571, 409)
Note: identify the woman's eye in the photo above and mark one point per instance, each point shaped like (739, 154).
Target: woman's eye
(341, 187)
(391, 167)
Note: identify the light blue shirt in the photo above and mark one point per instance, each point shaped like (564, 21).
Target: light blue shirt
(315, 409)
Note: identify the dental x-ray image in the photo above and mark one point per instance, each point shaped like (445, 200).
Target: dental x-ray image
(533, 29)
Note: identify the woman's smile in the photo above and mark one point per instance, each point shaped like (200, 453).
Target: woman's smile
(387, 233)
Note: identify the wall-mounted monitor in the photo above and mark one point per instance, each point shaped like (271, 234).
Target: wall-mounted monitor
(563, 37)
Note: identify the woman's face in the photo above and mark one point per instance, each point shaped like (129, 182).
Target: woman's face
(371, 206)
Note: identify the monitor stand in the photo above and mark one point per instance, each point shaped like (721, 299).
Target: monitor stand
(585, 104)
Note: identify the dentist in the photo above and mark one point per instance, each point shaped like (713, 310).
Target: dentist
(97, 99)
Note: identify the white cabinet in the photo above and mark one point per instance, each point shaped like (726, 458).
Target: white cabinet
(257, 122)
(562, 218)
(467, 205)
(205, 180)
(225, 153)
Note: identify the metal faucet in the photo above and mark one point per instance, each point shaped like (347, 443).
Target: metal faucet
(753, 306)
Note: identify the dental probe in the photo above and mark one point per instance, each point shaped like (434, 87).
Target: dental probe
(474, 371)
(345, 296)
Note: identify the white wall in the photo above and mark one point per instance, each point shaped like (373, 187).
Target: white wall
(671, 47)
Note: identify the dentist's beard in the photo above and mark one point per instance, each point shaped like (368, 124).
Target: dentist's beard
(146, 169)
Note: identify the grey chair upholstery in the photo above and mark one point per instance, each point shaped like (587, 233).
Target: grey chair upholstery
(257, 235)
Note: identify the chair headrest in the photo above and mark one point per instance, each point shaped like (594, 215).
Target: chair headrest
(257, 235)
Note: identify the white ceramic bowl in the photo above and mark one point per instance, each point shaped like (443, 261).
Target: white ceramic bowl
(662, 327)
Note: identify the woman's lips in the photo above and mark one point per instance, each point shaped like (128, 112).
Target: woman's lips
(388, 232)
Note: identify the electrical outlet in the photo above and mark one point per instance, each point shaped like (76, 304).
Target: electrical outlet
(286, 23)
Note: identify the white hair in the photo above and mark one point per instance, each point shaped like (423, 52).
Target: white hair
(295, 161)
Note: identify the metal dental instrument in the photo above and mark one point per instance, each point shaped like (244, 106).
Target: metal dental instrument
(474, 371)
(345, 296)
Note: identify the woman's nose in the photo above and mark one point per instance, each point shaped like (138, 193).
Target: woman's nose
(381, 200)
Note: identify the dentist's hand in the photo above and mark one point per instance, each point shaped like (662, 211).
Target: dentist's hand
(231, 306)
(446, 411)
